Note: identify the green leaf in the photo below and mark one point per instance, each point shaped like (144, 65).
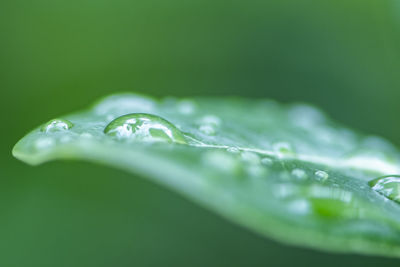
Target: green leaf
(285, 171)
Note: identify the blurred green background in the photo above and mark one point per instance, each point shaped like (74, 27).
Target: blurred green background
(59, 56)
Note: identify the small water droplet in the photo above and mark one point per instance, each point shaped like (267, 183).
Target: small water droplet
(207, 129)
(209, 124)
(283, 149)
(321, 175)
(299, 173)
(233, 149)
(211, 120)
(144, 127)
(57, 125)
(266, 161)
(389, 186)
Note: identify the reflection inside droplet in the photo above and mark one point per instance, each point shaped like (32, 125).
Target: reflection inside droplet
(389, 186)
(56, 125)
(144, 127)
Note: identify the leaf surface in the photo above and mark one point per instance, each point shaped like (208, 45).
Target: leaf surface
(285, 171)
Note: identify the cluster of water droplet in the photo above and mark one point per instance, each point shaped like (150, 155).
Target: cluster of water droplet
(149, 127)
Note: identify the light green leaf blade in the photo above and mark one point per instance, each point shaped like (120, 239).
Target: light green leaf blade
(285, 171)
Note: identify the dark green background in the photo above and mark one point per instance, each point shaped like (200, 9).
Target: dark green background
(59, 56)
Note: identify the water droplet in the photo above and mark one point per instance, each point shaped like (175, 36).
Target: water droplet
(321, 175)
(211, 120)
(57, 125)
(299, 173)
(266, 161)
(209, 124)
(283, 149)
(389, 186)
(233, 149)
(144, 127)
(207, 129)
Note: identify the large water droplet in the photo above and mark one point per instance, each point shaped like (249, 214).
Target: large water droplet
(389, 186)
(56, 125)
(144, 127)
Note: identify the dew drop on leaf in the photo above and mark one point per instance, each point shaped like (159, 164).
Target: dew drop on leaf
(266, 161)
(209, 124)
(144, 127)
(389, 186)
(283, 149)
(207, 129)
(56, 125)
(321, 175)
(211, 120)
(233, 149)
